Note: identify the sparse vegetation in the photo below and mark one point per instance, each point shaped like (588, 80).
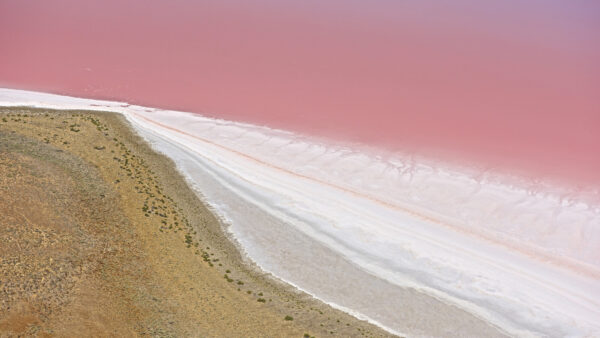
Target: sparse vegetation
(152, 237)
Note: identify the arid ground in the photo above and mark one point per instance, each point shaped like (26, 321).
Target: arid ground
(100, 236)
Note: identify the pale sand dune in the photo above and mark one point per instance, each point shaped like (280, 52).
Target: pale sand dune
(417, 248)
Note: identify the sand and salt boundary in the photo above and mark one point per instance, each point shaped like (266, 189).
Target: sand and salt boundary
(425, 316)
(416, 227)
(176, 286)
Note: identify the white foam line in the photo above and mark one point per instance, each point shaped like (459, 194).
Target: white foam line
(524, 257)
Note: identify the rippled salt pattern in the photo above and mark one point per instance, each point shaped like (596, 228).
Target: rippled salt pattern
(509, 213)
(523, 257)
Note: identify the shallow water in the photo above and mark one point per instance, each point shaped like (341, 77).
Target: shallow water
(507, 84)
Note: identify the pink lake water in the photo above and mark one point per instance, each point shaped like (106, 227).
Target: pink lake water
(508, 84)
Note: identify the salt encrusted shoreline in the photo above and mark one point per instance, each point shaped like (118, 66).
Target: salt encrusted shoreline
(402, 225)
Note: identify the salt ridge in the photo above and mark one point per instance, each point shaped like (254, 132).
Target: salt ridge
(527, 261)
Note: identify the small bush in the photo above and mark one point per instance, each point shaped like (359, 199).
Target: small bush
(289, 318)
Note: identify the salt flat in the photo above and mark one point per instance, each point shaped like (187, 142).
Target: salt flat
(415, 246)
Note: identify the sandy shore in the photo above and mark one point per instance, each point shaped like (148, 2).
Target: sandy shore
(104, 237)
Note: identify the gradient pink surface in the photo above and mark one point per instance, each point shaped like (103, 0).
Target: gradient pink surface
(508, 84)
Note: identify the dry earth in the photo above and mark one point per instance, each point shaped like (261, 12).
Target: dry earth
(100, 236)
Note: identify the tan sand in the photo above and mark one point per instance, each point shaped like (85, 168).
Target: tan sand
(101, 236)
